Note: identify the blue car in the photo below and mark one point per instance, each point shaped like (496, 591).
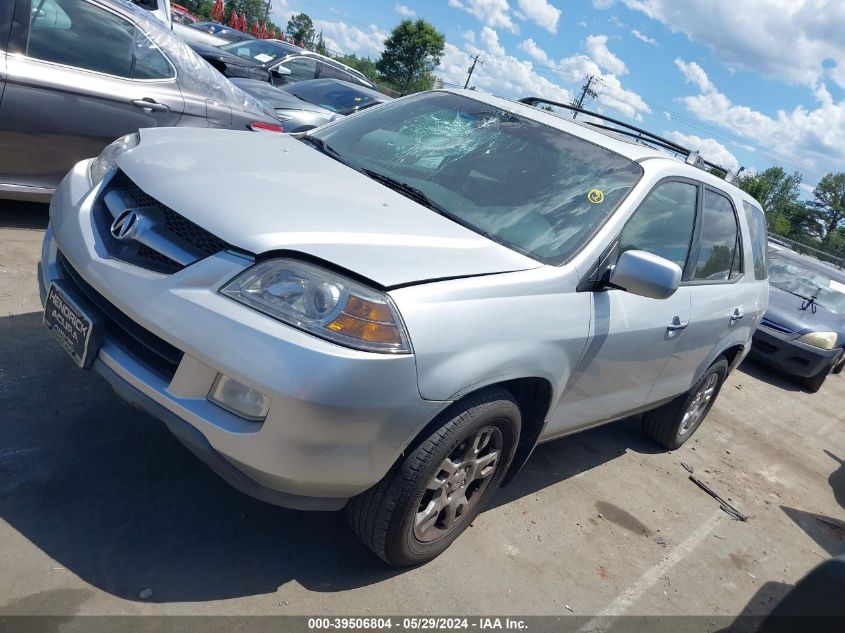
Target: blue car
(803, 329)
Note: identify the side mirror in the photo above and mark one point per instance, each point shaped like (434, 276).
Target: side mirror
(646, 275)
(281, 71)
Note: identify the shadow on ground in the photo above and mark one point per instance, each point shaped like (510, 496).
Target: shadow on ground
(763, 372)
(23, 215)
(110, 495)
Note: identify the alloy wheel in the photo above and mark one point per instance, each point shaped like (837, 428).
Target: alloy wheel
(458, 484)
(698, 407)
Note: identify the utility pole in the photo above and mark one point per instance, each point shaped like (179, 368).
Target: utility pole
(585, 90)
(471, 68)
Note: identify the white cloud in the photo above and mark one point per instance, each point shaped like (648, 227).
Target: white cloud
(492, 13)
(576, 68)
(490, 41)
(709, 148)
(541, 12)
(693, 73)
(346, 39)
(469, 35)
(582, 24)
(603, 4)
(802, 139)
(642, 37)
(787, 40)
(530, 47)
(503, 74)
(807, 187)
(600, 53)
(401, 9)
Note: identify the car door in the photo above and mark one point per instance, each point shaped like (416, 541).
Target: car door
(79, 75)
(632, 337)
(725, 301)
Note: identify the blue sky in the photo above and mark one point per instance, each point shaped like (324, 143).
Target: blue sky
(747, 82)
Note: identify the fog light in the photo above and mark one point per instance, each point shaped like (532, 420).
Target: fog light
(241, 400)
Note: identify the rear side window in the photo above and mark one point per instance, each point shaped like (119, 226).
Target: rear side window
(80, 34)
(759, 240)
(663, 223)
(719, 247)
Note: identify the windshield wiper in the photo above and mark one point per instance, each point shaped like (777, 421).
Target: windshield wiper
(328, 150)
(409, 191)
(417, 195)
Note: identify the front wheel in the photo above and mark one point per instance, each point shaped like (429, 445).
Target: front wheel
(421, 506)
(674, 423)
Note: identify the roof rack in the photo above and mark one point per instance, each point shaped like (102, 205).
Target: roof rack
(692, 157)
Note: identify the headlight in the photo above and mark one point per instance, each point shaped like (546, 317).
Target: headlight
(323, 303)
(824, 340)
(106, 161)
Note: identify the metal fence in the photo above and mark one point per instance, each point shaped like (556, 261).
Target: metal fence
(806, 249)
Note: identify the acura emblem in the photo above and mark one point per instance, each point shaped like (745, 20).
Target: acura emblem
(124, 225)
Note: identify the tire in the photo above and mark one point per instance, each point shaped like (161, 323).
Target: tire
(669, 425)
(424, 503)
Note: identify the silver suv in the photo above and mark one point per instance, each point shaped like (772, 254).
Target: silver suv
(389, 312)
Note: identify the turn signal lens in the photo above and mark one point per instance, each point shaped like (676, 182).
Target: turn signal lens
(823, 340)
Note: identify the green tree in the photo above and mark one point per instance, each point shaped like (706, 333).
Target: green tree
(364, 65)
(301, 29)
(779, 195)
(410, 55)
(829, 202)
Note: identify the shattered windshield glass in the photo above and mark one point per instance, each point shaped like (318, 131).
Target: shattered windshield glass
(529, 186)
(807, 282)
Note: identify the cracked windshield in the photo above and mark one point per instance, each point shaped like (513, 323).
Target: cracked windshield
(525, 184)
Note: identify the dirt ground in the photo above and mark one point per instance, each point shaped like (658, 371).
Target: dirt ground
(99, 503)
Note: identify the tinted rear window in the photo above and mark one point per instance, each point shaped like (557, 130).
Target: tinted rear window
(339, 97)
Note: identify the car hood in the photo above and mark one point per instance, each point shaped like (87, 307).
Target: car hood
(785, 309)
(276, 99)
(265, 192)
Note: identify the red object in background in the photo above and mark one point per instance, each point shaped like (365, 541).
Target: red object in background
(263, 30)
(301, 44)
(244, 23)
(254, 31)
(233, 20)
(217, 11)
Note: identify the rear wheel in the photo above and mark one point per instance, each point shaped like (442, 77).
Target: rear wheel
(674, 423)
(424, 504)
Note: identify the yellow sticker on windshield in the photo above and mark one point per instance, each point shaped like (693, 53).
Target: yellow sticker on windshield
(596, 196)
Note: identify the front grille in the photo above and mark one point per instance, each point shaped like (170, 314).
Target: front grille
(152, 352)
(166, 243)
(175, 224)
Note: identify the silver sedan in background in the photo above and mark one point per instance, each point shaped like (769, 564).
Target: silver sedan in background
(76, 74)
(305, 105)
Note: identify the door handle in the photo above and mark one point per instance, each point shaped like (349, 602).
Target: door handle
(736, 316)
(150, 105)
(677, 325)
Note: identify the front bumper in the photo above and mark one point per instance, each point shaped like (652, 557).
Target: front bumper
(782, 351)
(338, 420)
